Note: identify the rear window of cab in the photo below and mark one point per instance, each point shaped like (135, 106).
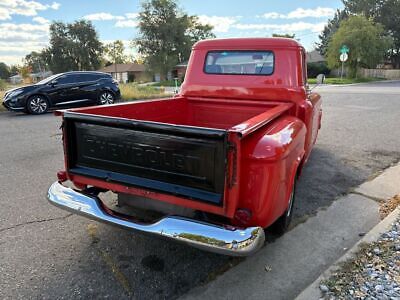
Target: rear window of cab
(239, 62)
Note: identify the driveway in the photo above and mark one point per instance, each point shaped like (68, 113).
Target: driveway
(48, 253)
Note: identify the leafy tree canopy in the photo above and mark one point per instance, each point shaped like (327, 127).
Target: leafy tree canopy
(285, 35)
(24, 71)
(367, 41)
(73, 46)
(115, 52)
(167, 34)
(14, 69)
(385, 12)
(4, 71)
(36, 61)
(329, 30)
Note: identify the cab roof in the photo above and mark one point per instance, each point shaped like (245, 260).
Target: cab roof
(246, 43)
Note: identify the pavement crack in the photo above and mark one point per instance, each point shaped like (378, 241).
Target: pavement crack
(34, 222)
(379, 200)
(109, 261)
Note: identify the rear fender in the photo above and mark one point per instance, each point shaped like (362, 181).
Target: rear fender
(270, 160)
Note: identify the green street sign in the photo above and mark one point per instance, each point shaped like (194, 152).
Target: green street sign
(344, 49)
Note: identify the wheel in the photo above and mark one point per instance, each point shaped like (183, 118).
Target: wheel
(106, 98)
(37, 105)
(282, 224)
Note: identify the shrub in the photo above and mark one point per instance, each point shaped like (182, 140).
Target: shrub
(313, 69)
(3, 85)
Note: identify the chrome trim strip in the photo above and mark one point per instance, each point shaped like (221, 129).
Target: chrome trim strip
(73, 101)
(205, 236)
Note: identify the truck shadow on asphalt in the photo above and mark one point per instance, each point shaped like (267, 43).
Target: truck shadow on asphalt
(324, 178)
(151, 268)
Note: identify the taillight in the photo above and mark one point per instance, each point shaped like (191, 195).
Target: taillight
(242, 216)
(62, 176)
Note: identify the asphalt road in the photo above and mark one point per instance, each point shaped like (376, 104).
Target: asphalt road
(47, 253)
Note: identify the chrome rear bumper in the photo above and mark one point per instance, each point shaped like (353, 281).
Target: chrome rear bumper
(205, 236)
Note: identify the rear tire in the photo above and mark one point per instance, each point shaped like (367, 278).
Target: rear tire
(282, 224)
(37, 105)
(106, 97)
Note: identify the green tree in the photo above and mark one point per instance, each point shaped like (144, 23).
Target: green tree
(385, 12)
(73, 46)
(24, 71)
(197, 31)
(14, 69)
(329, 30)
(4, 71)
(369, 8)
(36, 61)
(115, 52)
(167, 34)
(367, 41)
(285, 35)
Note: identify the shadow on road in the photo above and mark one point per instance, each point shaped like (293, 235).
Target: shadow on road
(153, 268)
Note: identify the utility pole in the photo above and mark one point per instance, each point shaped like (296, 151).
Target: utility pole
(115, 62)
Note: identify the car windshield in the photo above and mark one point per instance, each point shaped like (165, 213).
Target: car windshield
(47, 80)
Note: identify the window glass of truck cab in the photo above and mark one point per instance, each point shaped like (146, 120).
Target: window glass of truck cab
(239, 62)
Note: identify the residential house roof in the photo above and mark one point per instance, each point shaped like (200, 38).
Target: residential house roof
(121, 68)
(314, 56)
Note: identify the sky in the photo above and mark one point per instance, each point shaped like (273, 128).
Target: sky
(24, 23)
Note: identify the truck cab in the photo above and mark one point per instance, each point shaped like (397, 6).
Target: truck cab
(218, 161)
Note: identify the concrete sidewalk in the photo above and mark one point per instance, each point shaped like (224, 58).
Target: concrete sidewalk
(313, 291)
(283, 269)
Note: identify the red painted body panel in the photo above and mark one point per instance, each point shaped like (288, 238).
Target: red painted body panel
(270, 159)
(271, 123)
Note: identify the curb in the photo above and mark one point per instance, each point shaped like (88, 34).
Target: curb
(313, 291)
(382, 187)
(294, 260)
(359, 83)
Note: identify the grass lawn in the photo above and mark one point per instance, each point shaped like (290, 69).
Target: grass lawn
(167, 83)
(132, 91)
(1, 100)
(337, 80)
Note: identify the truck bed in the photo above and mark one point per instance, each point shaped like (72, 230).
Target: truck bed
(198, 112)
(177, 146)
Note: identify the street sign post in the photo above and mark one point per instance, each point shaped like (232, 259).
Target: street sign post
(343, 57)
(344, 49)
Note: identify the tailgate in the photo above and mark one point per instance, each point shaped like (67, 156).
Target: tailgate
(180, 160)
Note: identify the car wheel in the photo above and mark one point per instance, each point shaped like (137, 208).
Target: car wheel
(37, 105)
(282, 224)
(106, 98)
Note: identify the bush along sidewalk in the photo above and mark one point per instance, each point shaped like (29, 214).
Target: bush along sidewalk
(373, 273)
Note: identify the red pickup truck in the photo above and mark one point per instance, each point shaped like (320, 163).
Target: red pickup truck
(218, 162)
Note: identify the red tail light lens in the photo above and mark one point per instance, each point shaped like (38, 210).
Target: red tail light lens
(242, 216)
(62, 176)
